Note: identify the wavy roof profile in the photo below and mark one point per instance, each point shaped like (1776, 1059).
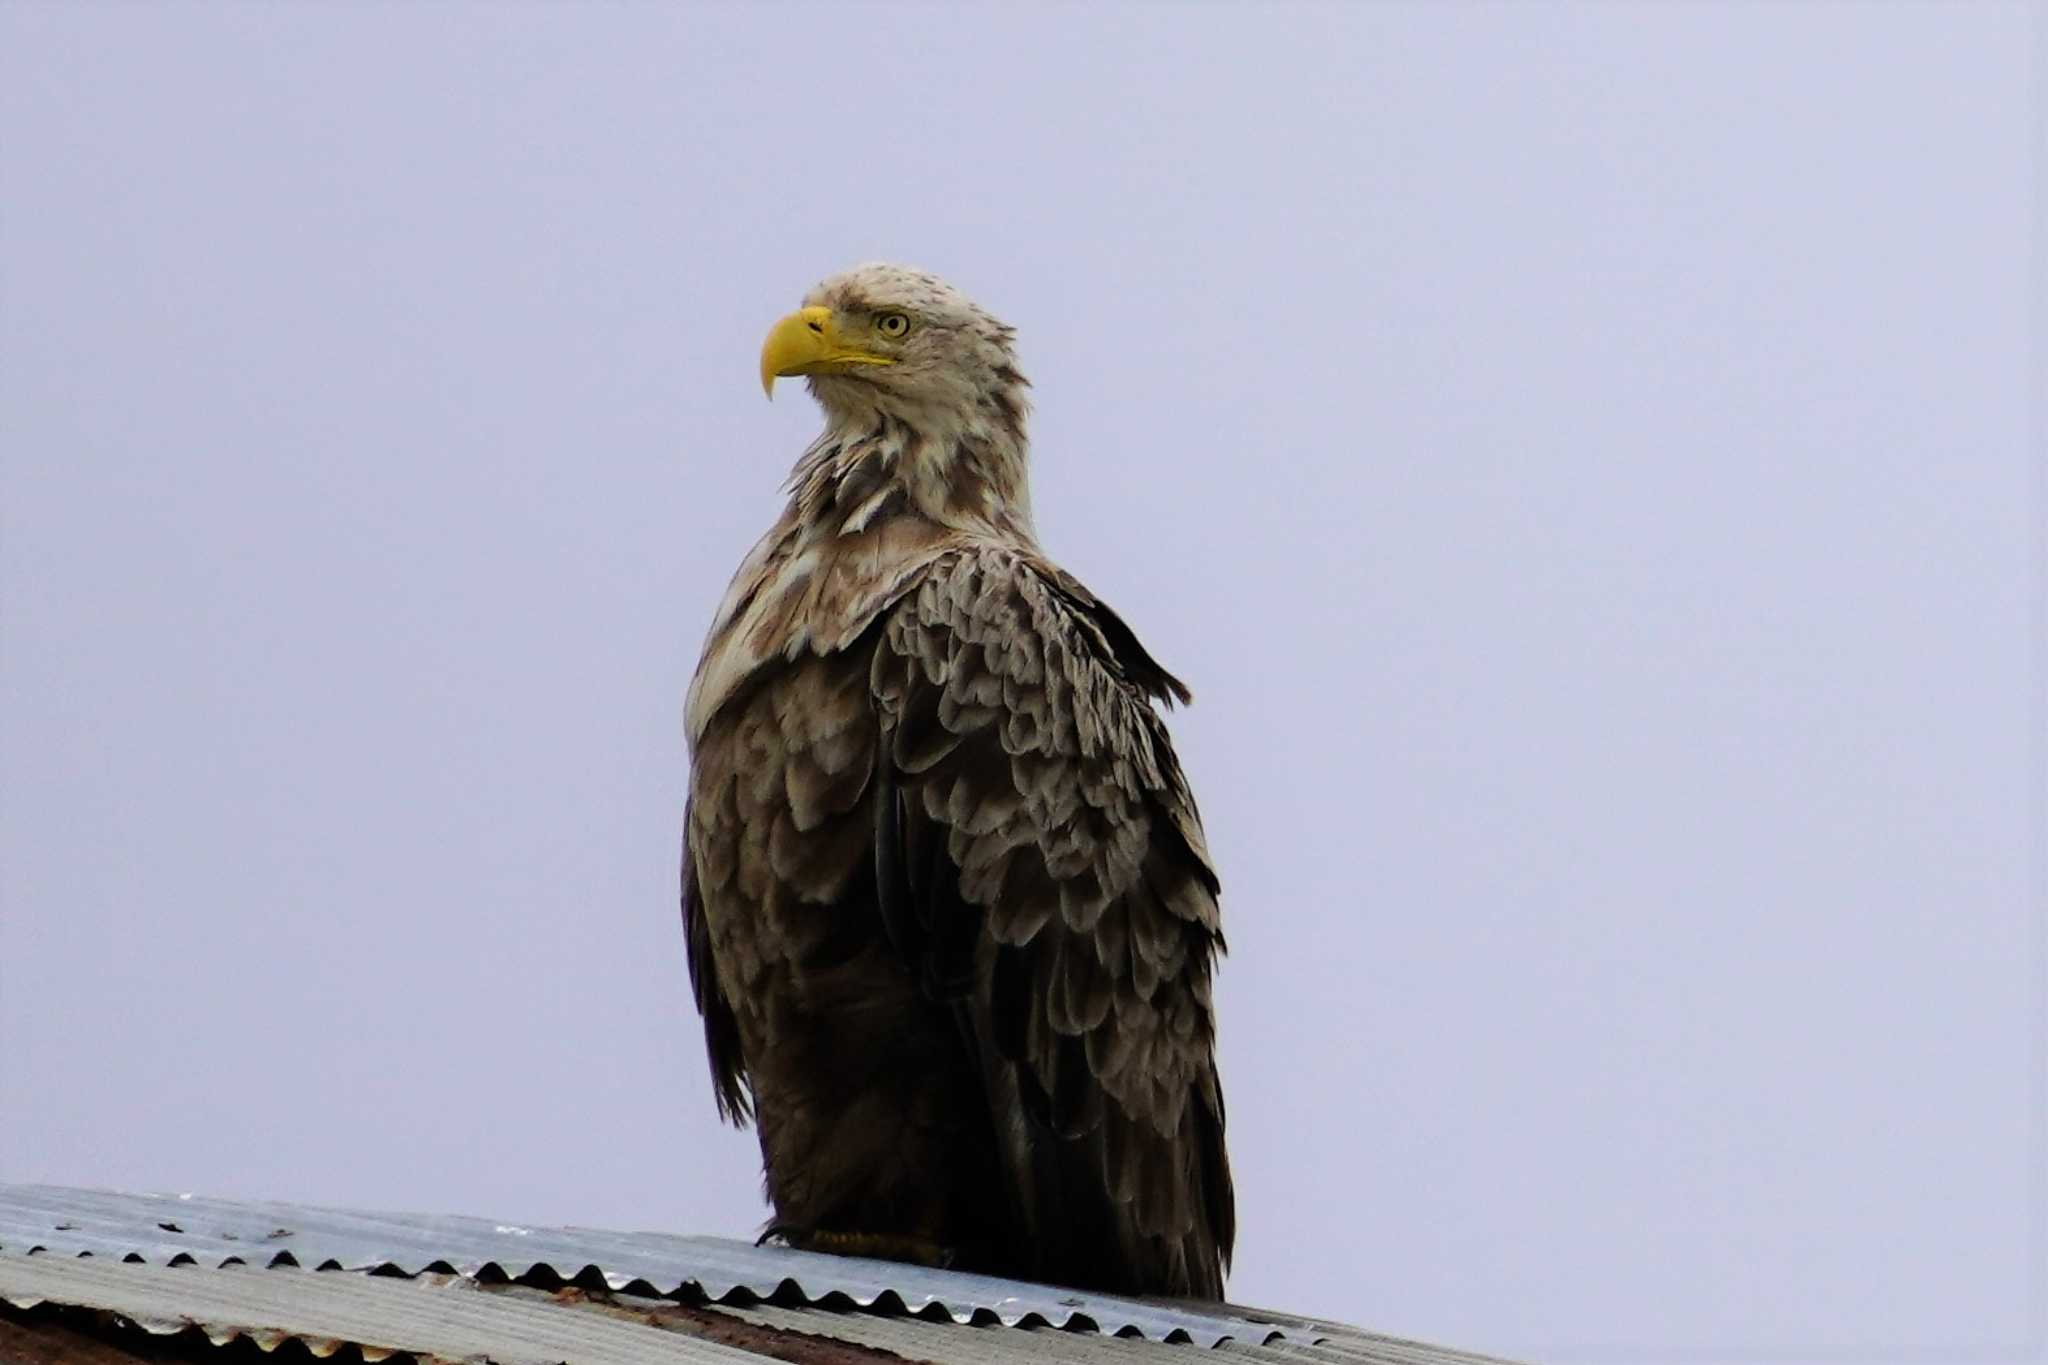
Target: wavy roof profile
(749, 1301)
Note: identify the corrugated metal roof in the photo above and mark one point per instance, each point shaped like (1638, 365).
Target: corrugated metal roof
(76, 1275)
(1047, 1346)
(448, 1317)
(444, 1316)
(177, 1229)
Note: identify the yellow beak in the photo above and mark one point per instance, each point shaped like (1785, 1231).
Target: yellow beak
(808, 341)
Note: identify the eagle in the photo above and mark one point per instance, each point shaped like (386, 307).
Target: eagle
(951, 919)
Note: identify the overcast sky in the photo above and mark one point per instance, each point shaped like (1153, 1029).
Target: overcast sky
(1578, 454)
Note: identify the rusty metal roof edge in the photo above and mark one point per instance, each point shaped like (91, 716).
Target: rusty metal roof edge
(380, 1317)
(176, 1229)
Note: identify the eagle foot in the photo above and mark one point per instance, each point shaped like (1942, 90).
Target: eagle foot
(881, 1246)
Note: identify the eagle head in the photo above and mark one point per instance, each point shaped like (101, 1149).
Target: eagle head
(887, 340)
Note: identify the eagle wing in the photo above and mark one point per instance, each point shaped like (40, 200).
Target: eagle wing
(1040, 862)
(721, 1027)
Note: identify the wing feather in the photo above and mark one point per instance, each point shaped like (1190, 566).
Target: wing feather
(1023, 746)
(721, 1029)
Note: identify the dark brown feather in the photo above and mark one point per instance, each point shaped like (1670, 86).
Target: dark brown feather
(721, 1030)
(1092, 1075)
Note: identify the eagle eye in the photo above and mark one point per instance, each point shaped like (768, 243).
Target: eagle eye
(892, 325)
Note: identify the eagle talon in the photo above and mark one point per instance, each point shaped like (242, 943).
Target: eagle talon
(880, 1246)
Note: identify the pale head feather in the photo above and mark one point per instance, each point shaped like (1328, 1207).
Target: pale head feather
(947, 419)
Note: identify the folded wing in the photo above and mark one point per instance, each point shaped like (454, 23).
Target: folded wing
(1040, 863)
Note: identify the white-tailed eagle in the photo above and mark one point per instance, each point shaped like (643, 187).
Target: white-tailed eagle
(951, 918)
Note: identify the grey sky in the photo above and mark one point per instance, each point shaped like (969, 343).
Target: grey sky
(1577, 453)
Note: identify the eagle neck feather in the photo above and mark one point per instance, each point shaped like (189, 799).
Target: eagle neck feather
(874, 502)
(965, 472)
